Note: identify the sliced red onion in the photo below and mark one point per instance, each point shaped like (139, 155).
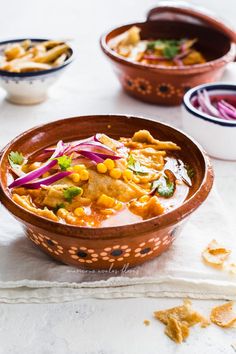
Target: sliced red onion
(47, 181)
(183, 55)
(227, 104)
(103, 156)
(28, 177)
(221, 109)
(223, 112)
(95, 145)
(98, 136)
(205, 103)
(83, 160)
(91, 156)
(183, 46)
(226, 110)
(178, 62)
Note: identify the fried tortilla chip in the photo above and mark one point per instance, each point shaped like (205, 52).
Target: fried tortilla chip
(183, 313)
(215, 254)
(179, 319)
(223, 315)
(176, 330)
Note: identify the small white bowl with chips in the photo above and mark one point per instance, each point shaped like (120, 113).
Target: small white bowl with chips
(28, 67)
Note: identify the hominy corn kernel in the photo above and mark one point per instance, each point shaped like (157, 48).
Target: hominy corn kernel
(25, 168)
(115, 173)
(136, 179)
(71, 219)
(85, 201)
(62, 212)
(144, 198)
(101, 168)
(34, 166)
(107, 211)
(105, 201)
(70, 169)
(110, 164)
(128, 174)
(118, 206)
(79, 211)
(75, 177)
(79, 168)
(84, 175)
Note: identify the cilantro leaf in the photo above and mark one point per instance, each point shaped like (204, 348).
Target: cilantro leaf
(164, 187)
(131, 160)
(169, 47)
(136, 167)
(71, 192)
(190, 171)
(58, 206)
(64, 162)
(150, 46)
(159, 44)
(16, 158)
(170, 51)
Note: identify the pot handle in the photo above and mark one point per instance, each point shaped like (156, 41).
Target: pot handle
(197, 13)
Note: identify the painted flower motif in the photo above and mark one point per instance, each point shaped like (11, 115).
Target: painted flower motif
(143, 86)
(50, 244)
(147, 248)
(166, 240)
(116, 253)
(182, 90)
(83, 254)
(165, 90)
(143, 250)
(128, 83)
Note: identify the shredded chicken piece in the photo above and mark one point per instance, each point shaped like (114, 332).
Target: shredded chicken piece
(24, 201)
(143, 136)
(147, 209)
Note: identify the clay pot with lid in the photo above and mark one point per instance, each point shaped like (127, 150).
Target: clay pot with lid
(167, 85)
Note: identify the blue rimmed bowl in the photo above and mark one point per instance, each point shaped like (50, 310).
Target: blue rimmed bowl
(216, 135)
(30, 87)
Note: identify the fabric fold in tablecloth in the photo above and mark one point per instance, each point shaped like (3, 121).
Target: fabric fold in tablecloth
(28, 275)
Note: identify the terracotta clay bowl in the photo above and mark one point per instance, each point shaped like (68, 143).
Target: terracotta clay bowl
(105, 247)
(166, 86)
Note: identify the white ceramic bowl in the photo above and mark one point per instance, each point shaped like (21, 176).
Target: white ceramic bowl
(217, 136)
(29, 87)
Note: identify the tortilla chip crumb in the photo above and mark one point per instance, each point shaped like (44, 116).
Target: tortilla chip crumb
(146, 322)
(176, 330)
(179, 319)
(231, 268)
(215, 254)
(223, 315)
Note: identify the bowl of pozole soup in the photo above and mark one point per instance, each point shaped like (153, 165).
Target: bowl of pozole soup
(177, 48)
(98, 191)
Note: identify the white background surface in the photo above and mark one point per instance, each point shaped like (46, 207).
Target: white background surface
(89, 87)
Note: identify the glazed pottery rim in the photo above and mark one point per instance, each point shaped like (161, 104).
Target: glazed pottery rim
(218, 62)
(161, 221)
(5, 73)
(218, 86)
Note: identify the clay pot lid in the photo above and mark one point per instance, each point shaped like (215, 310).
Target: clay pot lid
(185, 12)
